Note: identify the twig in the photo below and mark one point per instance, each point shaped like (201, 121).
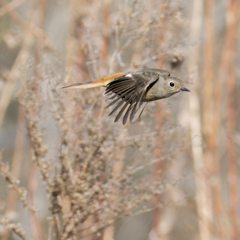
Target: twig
(12, 78)
(210, 132)
(232, 14)
(35, 31)
(16, 164)
(202, 191)
(9, 7)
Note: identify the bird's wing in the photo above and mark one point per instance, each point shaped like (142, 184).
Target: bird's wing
(130, 90)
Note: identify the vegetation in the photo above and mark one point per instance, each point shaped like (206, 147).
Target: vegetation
(68, 171)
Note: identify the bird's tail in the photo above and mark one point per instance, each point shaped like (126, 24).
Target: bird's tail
(84, 85)
(103, 82)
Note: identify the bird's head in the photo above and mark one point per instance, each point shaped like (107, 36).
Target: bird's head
(174, 85)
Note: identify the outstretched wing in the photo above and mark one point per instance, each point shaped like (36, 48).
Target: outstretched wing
(130, 90)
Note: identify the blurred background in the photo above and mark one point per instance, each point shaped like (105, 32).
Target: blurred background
(68, 171)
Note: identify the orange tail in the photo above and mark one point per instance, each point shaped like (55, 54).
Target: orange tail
(103, 82)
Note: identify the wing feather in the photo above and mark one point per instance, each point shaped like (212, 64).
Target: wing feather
(131, 89)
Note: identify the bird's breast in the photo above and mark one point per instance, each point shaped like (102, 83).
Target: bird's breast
(154, 94)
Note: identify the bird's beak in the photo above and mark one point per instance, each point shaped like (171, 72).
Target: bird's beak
(185, 89)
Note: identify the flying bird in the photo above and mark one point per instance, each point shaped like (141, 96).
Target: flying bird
(128, 91)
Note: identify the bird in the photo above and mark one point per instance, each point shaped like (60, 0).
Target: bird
(130, 90)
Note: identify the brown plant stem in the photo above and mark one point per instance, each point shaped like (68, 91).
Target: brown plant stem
(37, 230)
(202, 190)
(210, 155)
(232, 14)
(35, 31)
(158, 152)
(10, 6)
(16, 165)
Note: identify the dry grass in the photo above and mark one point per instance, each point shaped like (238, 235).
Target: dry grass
(77, 174)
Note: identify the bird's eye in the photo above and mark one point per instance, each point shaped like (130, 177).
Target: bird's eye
(171, 84)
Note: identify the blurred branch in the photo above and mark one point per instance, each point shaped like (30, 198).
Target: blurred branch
(16, 165)
(13, 75)
(232, 15)
(202, 190)
(14, 227)
(22, 192)
(159, 118)
(28, 27)
(9, 7)
(209, 126)
(37, 230)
